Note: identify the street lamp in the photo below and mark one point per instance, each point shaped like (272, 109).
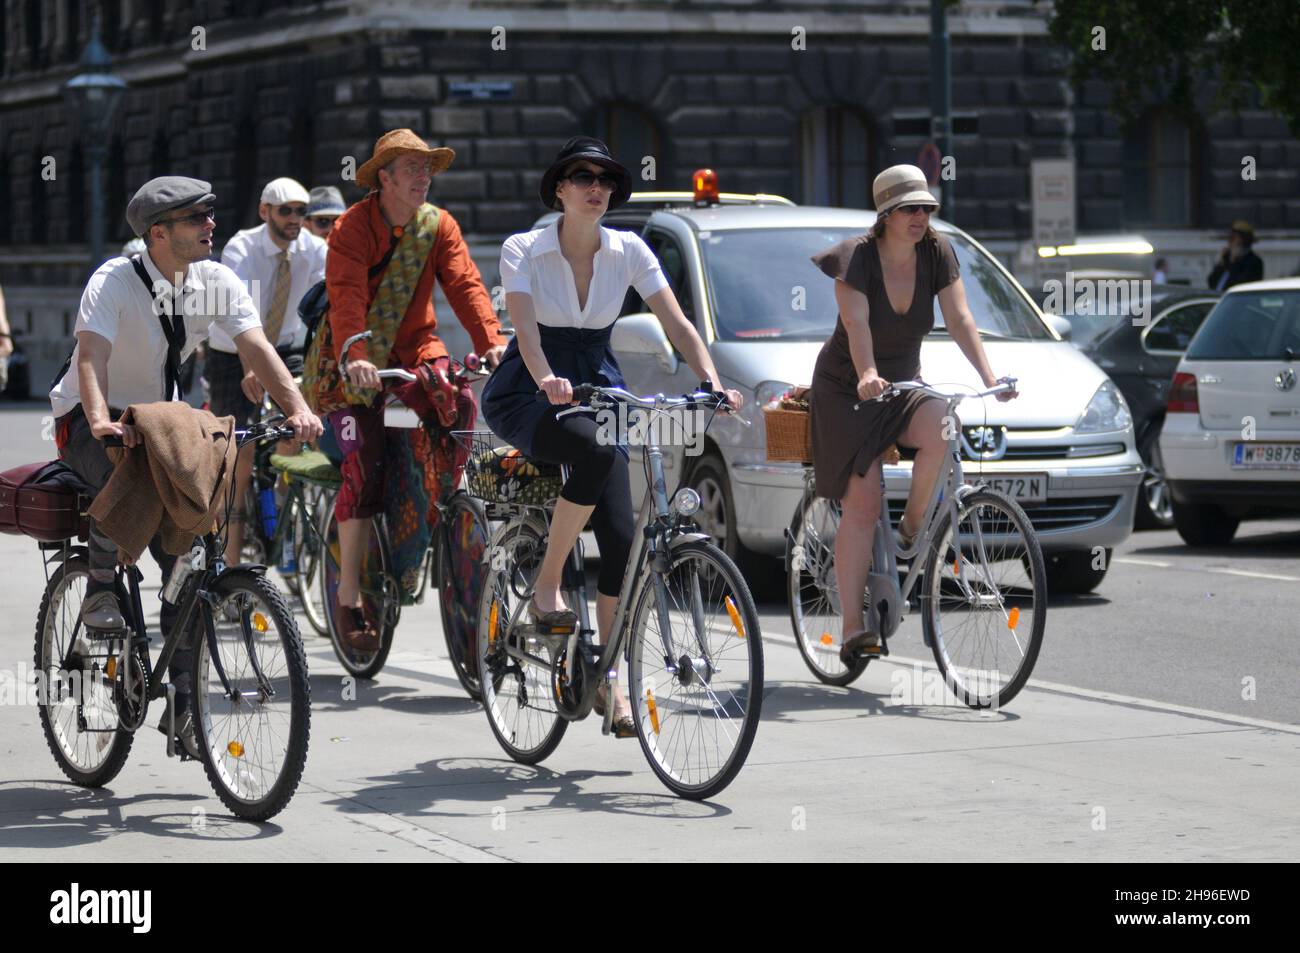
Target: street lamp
(93, 94)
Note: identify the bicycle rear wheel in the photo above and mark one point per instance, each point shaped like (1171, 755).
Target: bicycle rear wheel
(380, 596)
(816, 616)
(252, 728)
(696, 703)
(518, 697)
(459, 568)
(984, 599)
(77, 703)
(312, 513)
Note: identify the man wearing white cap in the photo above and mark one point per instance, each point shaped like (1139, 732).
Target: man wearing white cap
(278, 261)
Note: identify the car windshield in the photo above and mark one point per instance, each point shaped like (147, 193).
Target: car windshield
(1250, 326)
(764, 286)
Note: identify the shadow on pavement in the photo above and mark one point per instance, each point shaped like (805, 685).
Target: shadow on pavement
(417, 792)
(784, 701)
(1283, 544)
(327, 695)
(45, 814)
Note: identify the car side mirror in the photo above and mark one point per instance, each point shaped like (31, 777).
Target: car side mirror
(1060, 325)
(643, 334)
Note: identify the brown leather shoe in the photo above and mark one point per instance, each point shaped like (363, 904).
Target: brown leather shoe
(355, 629)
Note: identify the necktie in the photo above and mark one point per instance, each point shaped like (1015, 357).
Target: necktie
(279, 299)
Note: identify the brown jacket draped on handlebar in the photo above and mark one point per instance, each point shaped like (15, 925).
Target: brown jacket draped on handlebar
(175, 482)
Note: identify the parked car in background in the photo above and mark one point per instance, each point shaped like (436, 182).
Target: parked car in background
(742, 273)
(1231, 437)
(1140, 357)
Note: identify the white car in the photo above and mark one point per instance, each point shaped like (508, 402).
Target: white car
(1231, 438)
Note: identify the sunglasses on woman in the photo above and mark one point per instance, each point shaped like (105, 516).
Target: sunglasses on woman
(583, 179)
(913, 209)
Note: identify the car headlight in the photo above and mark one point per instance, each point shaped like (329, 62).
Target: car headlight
(768, 391)
(1106, 412)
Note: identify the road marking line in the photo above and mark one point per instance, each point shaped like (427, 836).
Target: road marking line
(1094, 695)
(1255, 575)
(415, 834)
(1141, 562)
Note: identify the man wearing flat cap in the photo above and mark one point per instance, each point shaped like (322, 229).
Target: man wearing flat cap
(384, 254)
(1237, 263)
(278, 261)
(139, 319)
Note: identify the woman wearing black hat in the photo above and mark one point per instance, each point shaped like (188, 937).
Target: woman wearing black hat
(565, 285)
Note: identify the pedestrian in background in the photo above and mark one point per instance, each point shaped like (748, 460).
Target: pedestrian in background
(1161, 276)
(1237, 263)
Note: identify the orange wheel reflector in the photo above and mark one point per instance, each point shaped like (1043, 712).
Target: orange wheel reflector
(654, 712)
(826, 639)
(236, 749)
(259, 622)
(956, 568)
(493, 615)
(111, 668)
(1013, 618)
(735, 617)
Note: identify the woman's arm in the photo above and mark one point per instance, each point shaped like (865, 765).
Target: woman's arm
(687, 340)
(961, 325)
(855, 312)
(524, 319)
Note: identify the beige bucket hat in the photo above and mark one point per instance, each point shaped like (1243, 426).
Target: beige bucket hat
(901, 185)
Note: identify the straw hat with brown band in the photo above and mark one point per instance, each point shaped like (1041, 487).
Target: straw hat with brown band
(401, 142)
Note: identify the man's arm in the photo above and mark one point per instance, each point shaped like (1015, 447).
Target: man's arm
(93, 351)
(463, 285)
(347, 277)
(257, 352)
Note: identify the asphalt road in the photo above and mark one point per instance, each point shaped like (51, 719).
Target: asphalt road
(1136, 740)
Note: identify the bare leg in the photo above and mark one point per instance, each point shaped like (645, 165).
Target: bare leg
(566, 525)
(605, 606)
(925, 433)
(861, 509)
(353, 536)
(235, 533)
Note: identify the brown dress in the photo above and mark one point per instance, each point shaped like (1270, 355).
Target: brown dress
(846, 441)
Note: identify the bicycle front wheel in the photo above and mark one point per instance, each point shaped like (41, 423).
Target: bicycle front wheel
(984, 599)
(462, 543)
(253, 725)
(695, 674)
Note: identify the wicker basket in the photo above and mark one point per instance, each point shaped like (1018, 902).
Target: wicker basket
(789, 434)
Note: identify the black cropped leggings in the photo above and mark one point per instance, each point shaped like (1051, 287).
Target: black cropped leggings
(598, 477)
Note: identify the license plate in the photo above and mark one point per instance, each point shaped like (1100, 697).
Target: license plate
(1266, 456)
(1026, 488)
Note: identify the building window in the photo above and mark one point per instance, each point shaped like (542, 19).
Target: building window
(40, 187)
(1162, 174)
(839, 157)
(35, 17)
(6, 202)
(631, 134)
(304, 146)
(160, 154)
(77, 211)
(116, 193)
(246, 190)
(72, 39)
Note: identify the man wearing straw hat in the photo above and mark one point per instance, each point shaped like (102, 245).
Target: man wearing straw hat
(384, 255)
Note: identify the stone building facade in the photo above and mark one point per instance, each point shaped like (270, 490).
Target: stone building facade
(806, 98)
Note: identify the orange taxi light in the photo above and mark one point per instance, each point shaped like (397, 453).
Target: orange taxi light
(705, 186)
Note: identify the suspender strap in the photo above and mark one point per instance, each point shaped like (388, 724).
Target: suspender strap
(173, 330)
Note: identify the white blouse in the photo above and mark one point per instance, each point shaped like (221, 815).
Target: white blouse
(531, 264)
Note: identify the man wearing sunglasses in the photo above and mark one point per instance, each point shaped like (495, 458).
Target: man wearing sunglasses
(139, 319)
(278, 262)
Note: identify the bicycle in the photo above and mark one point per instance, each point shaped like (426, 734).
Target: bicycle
(454, 558)
(251, 696)
(990, 569)
(677, 587)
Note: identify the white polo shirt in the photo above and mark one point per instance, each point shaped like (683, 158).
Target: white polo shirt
(116, 305)
(251, 254)
(531, 263)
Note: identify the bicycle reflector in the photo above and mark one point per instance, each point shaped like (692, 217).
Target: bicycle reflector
(236, 749)
(653, 711)
(705, 186)
(259, 622)
(735, 617)
(1013, 618)
(493, 614)
(827, 640)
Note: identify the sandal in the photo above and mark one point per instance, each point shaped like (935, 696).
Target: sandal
(861, 643)
(555, 619)
(623, 727)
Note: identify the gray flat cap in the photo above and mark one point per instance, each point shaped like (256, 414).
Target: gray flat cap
(326, 200)
(164, 194)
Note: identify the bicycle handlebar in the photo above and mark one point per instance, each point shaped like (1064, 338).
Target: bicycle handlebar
(470, 366)
(255, 432)
(587, 394)
(1004, 385)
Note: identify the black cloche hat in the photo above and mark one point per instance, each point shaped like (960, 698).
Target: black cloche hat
(579, 149)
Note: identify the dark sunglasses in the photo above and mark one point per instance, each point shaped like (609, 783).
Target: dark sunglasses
(321, 221)
(298, 211)
(913, 209)
(583, 179)
(197, 219)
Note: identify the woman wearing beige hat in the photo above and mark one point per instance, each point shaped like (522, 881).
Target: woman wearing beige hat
(885, 285)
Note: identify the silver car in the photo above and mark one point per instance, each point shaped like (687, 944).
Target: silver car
(1064, 449)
